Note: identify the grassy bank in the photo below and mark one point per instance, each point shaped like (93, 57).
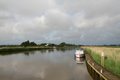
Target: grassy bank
(112, 57)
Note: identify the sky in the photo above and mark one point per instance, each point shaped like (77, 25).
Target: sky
(56, 21)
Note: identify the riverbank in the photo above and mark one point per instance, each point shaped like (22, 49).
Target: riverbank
(96, 71)
(111, 57)
(11, 50)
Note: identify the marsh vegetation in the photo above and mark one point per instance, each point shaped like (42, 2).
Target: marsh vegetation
(111, 55)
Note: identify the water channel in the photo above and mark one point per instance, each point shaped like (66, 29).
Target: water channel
(42, 65)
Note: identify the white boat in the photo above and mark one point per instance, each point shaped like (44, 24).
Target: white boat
(79, 53)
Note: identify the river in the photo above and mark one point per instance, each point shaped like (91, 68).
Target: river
(42, 65)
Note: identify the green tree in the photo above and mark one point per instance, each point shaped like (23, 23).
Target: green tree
(33, 44)
(28, 43)
(62, 44)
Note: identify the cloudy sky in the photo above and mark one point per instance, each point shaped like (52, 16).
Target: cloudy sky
(73, 21)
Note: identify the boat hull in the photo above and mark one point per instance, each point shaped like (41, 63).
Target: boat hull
(80, 55)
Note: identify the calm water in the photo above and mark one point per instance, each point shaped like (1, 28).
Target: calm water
(42, 65)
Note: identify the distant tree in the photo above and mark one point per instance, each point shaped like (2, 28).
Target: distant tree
(62, 44)
(66, 44)
(51, 45)
(28, 43)
(33, 44)
(43, 44)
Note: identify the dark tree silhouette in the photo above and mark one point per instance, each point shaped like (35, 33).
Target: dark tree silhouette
(33, 44)
(28, 43)
(62, 44)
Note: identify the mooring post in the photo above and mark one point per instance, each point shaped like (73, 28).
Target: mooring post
(102, 58)
(102, 61)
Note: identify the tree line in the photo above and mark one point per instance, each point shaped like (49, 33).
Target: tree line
(28, 43)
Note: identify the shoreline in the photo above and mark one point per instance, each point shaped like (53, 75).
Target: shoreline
(4, 50)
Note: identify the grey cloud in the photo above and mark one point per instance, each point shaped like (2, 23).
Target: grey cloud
(58, 20)
(75, 21)
(27, 7)
(92, 7)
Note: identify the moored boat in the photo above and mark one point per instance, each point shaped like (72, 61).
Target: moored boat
(79, 54)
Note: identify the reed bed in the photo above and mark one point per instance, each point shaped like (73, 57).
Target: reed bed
(111, 57)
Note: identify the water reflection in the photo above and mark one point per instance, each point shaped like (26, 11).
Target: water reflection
(79, 60)
(27, 53)
(42, 65)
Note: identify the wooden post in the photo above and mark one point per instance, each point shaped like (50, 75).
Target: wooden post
(102, 59)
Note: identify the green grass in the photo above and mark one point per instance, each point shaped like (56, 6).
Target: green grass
(113, 66)
(109, 63)
(95, 56)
